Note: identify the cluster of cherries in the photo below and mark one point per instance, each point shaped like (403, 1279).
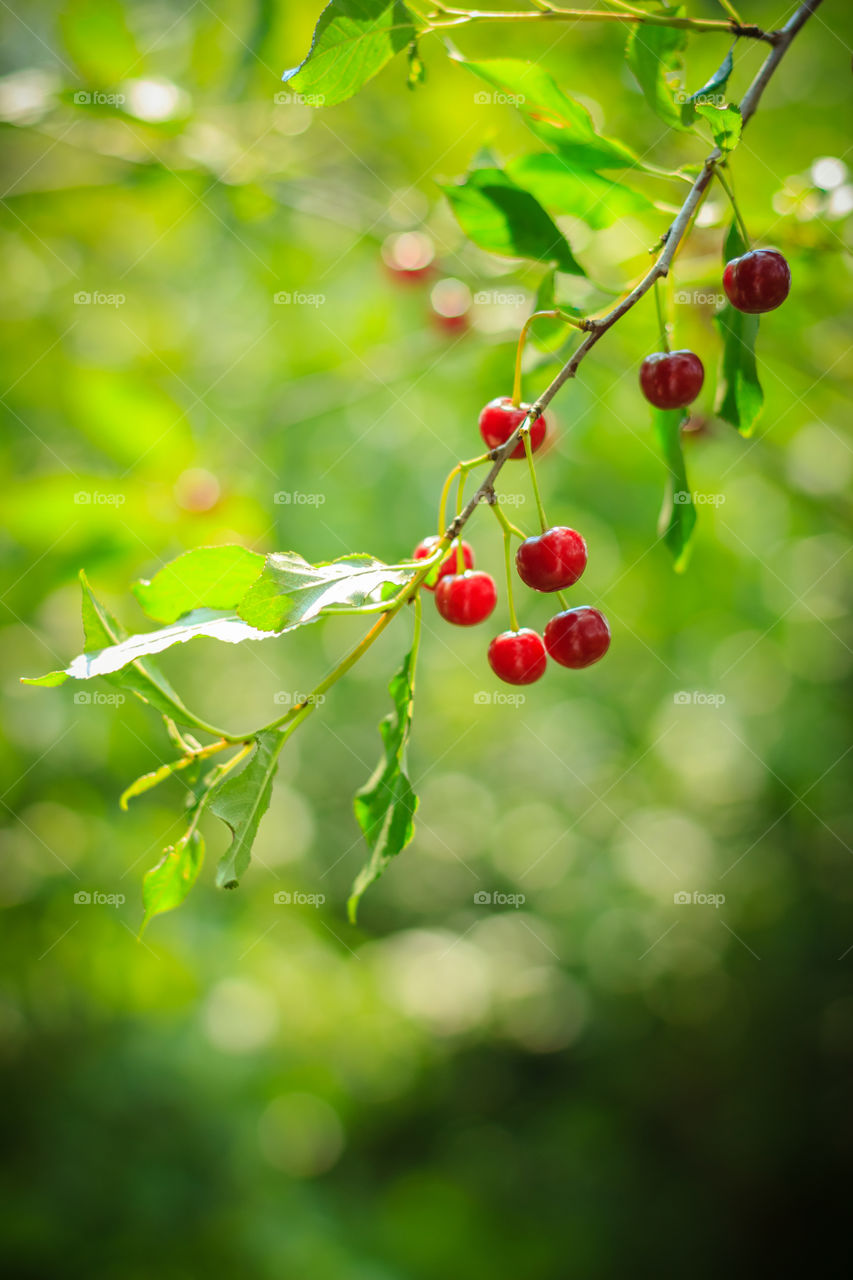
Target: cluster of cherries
(758, 281)
(551, 561)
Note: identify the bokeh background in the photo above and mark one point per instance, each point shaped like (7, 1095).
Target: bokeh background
(597, 1081)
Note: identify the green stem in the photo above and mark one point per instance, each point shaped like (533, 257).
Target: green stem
(662, 324)
(730, 192)
(507, 532)
(519, 351)
(528, 451)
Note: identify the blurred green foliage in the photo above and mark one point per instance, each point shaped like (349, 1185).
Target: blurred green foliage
(587, 1084)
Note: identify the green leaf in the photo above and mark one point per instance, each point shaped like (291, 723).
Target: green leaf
(654, 56)
(291, 592)
(556, 118)
(385, 806)
(678, 514)
(712, 91)
(109, 652)
(507, 220)
(241, 800)
(353, 40)
(417, 70)
(165, 886)
(740, 397)
(217, 624)
(208, 577)
(726, 124)
(557, 185)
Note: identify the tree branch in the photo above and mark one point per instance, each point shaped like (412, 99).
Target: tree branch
(672, 239)
(718, 26)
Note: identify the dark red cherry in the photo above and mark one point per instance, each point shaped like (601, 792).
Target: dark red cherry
(518, 657)
(500, 418)
(671, 379)
(578, 637)
(449, 563)
(466, 598)
(552, 560)
(757, 282)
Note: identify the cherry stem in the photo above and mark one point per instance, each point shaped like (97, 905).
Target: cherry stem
(728, 187)
(507, 532)
(461, 469)
(519, 351)
(662, 324)
(528, 453)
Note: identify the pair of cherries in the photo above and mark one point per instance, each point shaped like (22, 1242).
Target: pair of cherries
(758, 281)
(553, 560)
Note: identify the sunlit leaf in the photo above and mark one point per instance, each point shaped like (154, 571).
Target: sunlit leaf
(561, 189)
(206, 578)
(554, 116)
(385, 806)
(726, 124)
(241, 800)
(165, 886)
(654, 55)
(353, 40)
(712, 90)
(290, 591)
(678, 514)
(507, 220)
(740, 397)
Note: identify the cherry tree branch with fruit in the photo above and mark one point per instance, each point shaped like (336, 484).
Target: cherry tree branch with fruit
(233, 594)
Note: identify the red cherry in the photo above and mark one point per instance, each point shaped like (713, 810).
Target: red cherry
(500, 418)
(409, 255)
(758, 281)
(551, 561)
(578, 637)
(449, 563)
(466, 598)
(671, 379)
(518, 657)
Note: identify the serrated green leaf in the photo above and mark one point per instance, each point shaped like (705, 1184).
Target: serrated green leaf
(561, 189)
(740, 397)
(241, 800)
(111, 653)
(166, 886)
(507, 220)
(206, 578)
(712, 91)
(678, 514)
(352, 41)
(385, 806)
(291, 592)
(124, 657)
(555, 117)
(726, 124)
(654, 56)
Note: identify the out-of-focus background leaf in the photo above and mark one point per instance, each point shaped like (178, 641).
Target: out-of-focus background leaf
(584, 1083)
